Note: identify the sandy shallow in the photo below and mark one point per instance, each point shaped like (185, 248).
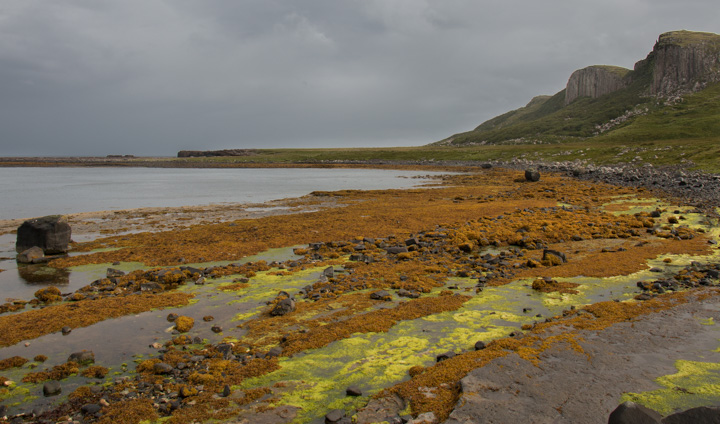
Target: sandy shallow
(88, 226)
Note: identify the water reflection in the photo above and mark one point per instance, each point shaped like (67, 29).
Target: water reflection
(43, 275)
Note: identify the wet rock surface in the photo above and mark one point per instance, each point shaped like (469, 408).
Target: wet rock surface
(626, 357)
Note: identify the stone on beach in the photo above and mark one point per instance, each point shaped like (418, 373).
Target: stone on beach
(184, 324)
(51, 388)
(283, 307)
(532, 175)
(50, 233)
(30, 255)
(83, 357)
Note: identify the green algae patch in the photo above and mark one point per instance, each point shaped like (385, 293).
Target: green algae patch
(630, 204)
(707, 321)
(317, 380)
(265, 285)
(695, 384)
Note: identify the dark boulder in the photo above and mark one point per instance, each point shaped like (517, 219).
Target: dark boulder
(334, 416)
(381, 295)
(83, 357)
(632, 413)
(480, 345)
(408, 293)
(162, 368)
(50, 233)
(51, 388)
(394, 250)
(532, 175)
(227, 391)
(700, 415)
(283, 307)
(274, 352)
(90, 409)
(547, 253)
(114, 273)
(353, 391)
(445, 356)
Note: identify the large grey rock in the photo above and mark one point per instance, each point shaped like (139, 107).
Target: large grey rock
(50, 233)
(700, 415)
(633, 413)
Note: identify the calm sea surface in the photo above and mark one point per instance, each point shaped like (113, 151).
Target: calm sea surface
(33, 192)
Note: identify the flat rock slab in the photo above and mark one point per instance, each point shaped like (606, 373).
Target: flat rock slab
(568, 387)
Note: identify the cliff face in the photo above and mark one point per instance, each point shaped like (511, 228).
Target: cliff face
(684, 60)
(680, 61)
(595, 81)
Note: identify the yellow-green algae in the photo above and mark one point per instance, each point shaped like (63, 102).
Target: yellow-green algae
(707, 321)
(695, 384)
(372, 361)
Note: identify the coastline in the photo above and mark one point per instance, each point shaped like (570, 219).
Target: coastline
(447, 235)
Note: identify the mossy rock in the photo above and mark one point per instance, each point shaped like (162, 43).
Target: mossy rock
(184, 324)
(49, 294)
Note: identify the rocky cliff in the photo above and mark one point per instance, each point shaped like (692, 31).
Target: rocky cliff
(679, 61)
(595, 81)
(680, 65)
(684, 60)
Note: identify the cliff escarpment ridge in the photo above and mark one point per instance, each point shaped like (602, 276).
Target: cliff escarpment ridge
(684, 60)
(595, 81)
(680, 60)
(599, 100)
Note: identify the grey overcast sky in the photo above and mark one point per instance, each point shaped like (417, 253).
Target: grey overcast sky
(151, 77)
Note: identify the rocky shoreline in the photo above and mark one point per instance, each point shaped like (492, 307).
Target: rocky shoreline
(698, 188)
(379, 260)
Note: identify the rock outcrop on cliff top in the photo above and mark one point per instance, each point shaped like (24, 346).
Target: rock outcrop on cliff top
(595, 81)
(684, 60)
(680, 61)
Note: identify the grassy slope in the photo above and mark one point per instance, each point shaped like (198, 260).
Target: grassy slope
(551, 122)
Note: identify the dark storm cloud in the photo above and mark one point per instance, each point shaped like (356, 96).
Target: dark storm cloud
(92, 77)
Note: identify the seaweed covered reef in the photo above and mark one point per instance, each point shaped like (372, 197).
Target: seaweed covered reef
(396, 294)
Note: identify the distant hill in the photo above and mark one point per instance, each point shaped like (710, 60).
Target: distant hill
(673, 93)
